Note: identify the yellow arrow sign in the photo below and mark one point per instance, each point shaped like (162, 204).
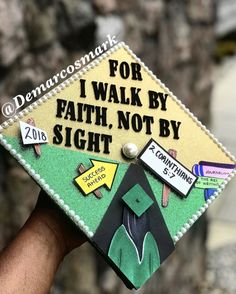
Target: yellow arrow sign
(101, 174)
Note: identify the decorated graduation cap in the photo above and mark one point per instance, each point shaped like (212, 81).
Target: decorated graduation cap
(123, 158)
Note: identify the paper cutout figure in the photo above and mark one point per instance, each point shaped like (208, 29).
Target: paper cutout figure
(211, 175)
(137, 233)
(81, 170)
(215, 170)
(124, 254)
(137, 200)
(31, 135)
(207, 182)
(167, 168)
(101, 174)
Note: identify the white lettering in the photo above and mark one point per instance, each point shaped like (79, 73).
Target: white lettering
(19, 101)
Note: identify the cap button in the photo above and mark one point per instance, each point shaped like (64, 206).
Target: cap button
(130, 150)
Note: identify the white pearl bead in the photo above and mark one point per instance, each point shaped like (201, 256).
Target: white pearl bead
(130, 150)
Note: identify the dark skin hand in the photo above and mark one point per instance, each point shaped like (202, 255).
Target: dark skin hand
(29, 263)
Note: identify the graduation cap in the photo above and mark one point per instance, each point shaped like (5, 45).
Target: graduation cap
(123, 158)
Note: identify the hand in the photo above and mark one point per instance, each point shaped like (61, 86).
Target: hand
(65, 233)
(29, 263)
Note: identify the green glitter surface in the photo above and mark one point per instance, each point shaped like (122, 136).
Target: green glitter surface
(58, 167)
(179, 210)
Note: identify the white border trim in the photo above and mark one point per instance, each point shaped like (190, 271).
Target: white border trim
(75, 218)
